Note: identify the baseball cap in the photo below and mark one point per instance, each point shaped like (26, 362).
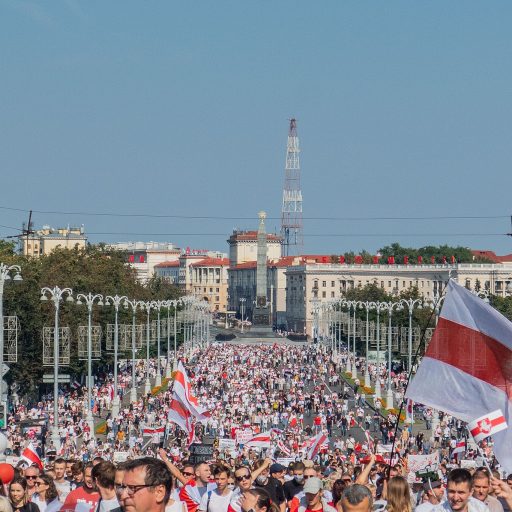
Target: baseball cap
(276, 468)
(313, 485)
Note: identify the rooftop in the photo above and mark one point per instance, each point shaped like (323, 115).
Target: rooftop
(168, 264)
(212, 262)
(491, 256)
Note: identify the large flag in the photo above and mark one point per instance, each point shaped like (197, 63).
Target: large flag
(29, 454)
(315, 444)
(261, 440)
(283, 448)
(487, 425)
(466, 369)
(182, 417)
(182, 391)
(460, 447)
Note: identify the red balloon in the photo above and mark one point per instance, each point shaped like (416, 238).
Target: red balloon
(6, 473)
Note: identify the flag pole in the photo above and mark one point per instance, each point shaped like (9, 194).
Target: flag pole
(481, 453)
(409, 375)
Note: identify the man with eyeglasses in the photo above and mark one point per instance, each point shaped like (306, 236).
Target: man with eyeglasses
(147, 485)
(31, 475)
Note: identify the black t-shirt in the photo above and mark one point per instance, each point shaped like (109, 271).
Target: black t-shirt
(274, 488)
(291, 488)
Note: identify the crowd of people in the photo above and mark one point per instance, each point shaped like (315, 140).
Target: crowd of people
(296, 394)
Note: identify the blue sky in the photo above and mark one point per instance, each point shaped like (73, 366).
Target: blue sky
(182, 108)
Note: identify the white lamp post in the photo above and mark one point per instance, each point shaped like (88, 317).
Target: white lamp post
(390, 306)
(379, 306)
(367, 305)
(56, 294)
(116, 301)
(147, 306)
(158, 305)
(411, 304)
(133, 304)
(242, 310)
(5, 275)
(89, 299)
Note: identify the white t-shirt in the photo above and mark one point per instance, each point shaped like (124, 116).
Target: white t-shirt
(217, 503)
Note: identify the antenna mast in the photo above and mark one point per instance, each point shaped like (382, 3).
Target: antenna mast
(292, 230)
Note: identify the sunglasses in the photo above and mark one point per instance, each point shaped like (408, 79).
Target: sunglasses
(308, 476)
(242, 477)
(188, 474)
(30, 477)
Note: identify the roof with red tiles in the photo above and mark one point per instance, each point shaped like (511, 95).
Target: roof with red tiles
(492, 256)
(211, 262)
(167, 264)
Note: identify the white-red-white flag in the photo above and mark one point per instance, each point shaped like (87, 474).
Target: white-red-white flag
(487, 425)
(182, 391)
(29, 454)
(182, 417)
(316, 443)
(460, 448)
(466, 371)
(283, 448)
(369, 441)
(150, 431)
(261, 440)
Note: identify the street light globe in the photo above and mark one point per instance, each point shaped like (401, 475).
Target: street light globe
(44, 298)
(101, 303)
(18, 277)
(69, 298)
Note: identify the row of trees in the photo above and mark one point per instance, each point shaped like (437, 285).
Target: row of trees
(94, 269)
(461, 254)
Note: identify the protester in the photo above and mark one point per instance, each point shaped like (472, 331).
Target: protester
(103, 474)
(46, 497)
(86, 496)
(19, 497)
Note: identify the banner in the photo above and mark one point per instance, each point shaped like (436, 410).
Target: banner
(422, 463)
(227, 444)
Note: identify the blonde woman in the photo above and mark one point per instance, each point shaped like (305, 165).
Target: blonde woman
(398, 495)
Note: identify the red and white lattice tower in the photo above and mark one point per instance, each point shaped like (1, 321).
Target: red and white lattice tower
(292, 230)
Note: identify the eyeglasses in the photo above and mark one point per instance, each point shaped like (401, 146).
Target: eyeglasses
(131, 489)
(188, 474)
(30, 477)
(242, 477)
(308, 476)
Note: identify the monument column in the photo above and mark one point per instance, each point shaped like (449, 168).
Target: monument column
(261, 315)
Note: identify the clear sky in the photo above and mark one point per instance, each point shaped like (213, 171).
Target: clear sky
(181, 108)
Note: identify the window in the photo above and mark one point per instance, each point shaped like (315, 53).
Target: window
(382, 284)
(324, 295)
(211, 290)
(332, 295)
(324, 284)
(389, 284)
(422, 284)
(217, 290)
(333, 284)
(403, 284)
(217, 298)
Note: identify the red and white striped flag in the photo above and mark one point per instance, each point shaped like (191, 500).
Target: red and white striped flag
(29, 454)
(283, 448)
(465, 371)
(182, 391)
(460, 447)
(315, 444)
(369, 441)
(149, 431)
(261, 440)
(182, 417)
(487, 425)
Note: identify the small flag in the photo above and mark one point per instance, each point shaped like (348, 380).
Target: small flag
(259, 441)
(487, 425)
(30, 455)
(460, 447)
(316, 443)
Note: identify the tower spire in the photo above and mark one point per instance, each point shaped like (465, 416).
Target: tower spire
(292, 230)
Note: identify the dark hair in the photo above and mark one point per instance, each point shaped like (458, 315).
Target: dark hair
(77, 467)
(337, 490)
(221, 469)
(356, 493)
(20, 481)
(60, 460)
(157, 473)
(459, 476)
(299, 466)
(263, 499)
(51, 492)
(104, 473)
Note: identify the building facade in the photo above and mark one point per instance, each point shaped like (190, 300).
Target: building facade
(209, 282)
(169, 271)
(243, 247)
(47, 239)
(317, 283)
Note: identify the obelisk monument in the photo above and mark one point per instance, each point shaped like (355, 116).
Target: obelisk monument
(261, 315)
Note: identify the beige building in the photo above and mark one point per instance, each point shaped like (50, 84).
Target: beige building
(47, 239)
(318, 283)
(209, 282)
(243, 247)
(169, 271)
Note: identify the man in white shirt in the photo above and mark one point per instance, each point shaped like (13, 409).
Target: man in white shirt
(459, 490)
(217, 500)
(104, 475)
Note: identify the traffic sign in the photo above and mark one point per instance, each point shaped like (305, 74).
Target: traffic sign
(48, 378)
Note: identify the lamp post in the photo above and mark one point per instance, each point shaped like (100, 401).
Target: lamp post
(5, 275)
(89, 299)
(133, 304)
(390, 306)
(367, 305)
(116, 301)
(379, 306)
(242, 310)
(174, 304)
(158, 305)
(411, 304)
(354, 325)
(56, 294)
(147, 306)
(436, 304)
